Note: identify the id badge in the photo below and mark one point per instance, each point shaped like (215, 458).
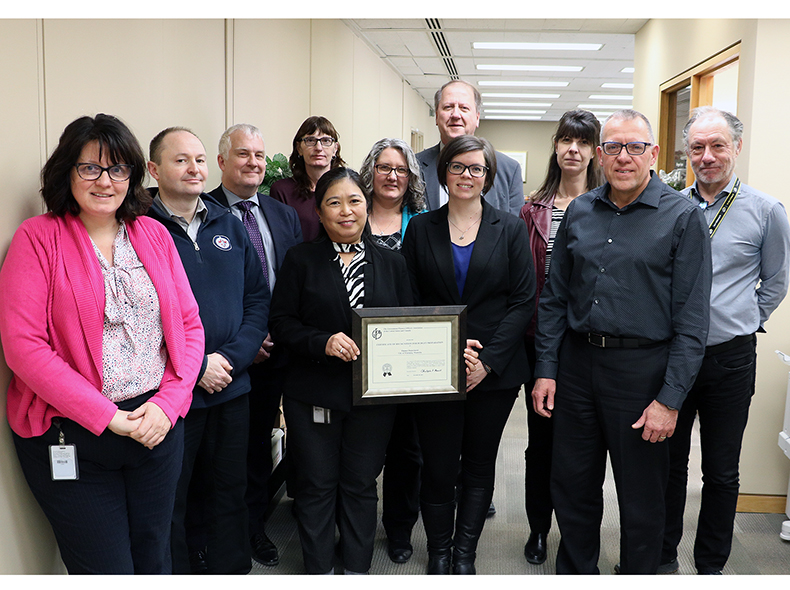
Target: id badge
(63, 462)
(322, 415)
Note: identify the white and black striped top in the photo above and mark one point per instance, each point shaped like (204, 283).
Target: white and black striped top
(556, 218)
(353, 273)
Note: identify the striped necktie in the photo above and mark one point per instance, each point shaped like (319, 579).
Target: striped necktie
(255, 234)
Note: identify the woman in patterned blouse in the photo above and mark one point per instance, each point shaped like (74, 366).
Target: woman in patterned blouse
(102, 333)
(336, 448)
(391, 175)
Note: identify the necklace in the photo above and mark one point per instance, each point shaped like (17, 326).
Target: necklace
(386, 228)
(463, 232)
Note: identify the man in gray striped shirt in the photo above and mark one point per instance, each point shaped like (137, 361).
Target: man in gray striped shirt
(750, 245)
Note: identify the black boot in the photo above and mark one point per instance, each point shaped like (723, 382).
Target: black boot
(438, 520)
(472, 512)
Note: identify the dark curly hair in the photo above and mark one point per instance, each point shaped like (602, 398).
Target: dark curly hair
(118, 142)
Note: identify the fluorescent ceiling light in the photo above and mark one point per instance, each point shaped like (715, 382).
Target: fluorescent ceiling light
(627, 71)
(540, 46)
(517, 95)
(514, 112)
(610, 97)
(525, 68)
(606, 106)
(613, 85)
(517, 104)
(533, 83)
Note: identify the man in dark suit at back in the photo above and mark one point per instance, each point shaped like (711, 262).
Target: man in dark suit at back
(273, 228)
(457, 106)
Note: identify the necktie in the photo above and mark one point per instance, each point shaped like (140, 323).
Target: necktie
(255, 234)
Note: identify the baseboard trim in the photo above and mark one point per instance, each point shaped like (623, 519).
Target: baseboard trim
(761, 503)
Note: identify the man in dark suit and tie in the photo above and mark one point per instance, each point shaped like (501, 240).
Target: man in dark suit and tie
(457, 106)
(273, 228)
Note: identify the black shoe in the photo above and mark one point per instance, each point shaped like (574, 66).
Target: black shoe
(197, 562)
(491, 510)
(399, 551)
(535, 549)
(668, 568)
(263, 550)
(665, 568)
(472, 513)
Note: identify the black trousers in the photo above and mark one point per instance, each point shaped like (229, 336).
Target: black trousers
(537, 461)
(401, 478)
(335, 466)
(720, 397)
(215, 457)
(115, 519)
(601, 392)
(461, 433)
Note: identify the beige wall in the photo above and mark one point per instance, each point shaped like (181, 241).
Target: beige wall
(665, 49)
(523, 136)
(203, 74)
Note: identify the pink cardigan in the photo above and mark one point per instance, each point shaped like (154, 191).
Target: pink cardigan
(52, 320)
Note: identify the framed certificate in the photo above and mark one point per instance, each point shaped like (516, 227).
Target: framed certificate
(409, 354)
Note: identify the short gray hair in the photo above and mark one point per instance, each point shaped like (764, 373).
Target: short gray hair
(478, 98)
(247, 129)
(414, 199)
(629, 115)
(733, 122)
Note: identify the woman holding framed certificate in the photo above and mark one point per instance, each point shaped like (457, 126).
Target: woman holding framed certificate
(469, 253)
(336, 449)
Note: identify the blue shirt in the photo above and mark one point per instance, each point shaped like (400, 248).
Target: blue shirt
(751, 246)
(642, 271)
(461, 257)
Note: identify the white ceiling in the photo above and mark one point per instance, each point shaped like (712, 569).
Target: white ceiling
(412, 48)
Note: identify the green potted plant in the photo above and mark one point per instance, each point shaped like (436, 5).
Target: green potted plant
(276, 168)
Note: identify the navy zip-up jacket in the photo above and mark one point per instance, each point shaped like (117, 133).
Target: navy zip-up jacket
(227, 280)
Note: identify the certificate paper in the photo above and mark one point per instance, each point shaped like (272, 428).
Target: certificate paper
(409, 354)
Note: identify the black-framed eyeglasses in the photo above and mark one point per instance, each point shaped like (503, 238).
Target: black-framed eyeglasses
(634, 148)
(386, 169)
(312, 141)
(476, 170)
(117, 173)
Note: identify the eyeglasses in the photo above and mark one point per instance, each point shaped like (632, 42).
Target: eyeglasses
(634, 148)
(312, 141)
(117, 173)
(476, 170)
(385, 169)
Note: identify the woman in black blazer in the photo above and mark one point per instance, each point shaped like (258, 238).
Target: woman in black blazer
(336, 449)
(468, 253)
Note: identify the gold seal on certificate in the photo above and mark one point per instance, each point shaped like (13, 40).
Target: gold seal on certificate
(409, 354)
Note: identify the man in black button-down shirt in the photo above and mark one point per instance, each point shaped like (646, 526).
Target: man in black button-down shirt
(621, 332)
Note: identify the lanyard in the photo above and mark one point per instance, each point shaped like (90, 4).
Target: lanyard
(725, 207)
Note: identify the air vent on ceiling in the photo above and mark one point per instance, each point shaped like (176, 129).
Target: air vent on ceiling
(435, 28)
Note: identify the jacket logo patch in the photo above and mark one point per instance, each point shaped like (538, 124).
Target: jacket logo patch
(222, 243)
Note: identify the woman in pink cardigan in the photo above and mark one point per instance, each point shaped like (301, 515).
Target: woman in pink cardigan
(102, 334)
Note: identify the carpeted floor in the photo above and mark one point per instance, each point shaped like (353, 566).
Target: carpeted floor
(757, 548)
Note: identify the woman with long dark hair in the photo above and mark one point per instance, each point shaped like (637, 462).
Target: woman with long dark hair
(572, 171)
(316, 149)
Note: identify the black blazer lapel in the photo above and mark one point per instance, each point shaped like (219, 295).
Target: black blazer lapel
(439, 245)
(488, 236)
